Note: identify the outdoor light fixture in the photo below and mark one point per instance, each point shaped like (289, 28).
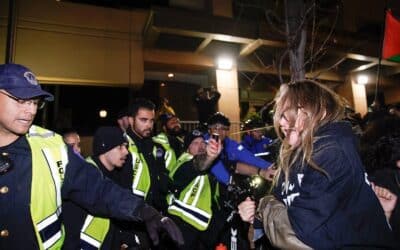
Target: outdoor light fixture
(103, 113)
(225, 63)
(362, 79)
(162, 84)
(170, 75)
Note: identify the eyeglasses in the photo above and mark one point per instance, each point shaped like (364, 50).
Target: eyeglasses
(219, 127)
(39, 103)
(5, 163)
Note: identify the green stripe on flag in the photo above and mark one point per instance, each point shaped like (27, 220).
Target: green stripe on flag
(394, 58)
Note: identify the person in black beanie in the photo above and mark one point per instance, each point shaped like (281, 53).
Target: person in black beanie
(110, 155)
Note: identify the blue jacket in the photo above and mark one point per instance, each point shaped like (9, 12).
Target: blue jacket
(256, 146)
(83, 184)
(234, 152)
(340, 210)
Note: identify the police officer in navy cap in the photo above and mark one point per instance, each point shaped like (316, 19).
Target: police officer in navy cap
(38, 171)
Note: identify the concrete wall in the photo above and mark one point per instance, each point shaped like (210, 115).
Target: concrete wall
(70, 43)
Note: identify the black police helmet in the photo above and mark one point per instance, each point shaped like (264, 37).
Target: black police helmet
(254, 123)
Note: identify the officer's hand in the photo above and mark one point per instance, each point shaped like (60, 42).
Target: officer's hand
(155, 223)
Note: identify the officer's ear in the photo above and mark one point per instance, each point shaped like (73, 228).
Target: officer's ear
(131, 120)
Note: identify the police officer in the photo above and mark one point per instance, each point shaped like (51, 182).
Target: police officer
(150, 175)
(38, 171)
(172, 137)
(254, 139)
(194, 204)
(234, 157)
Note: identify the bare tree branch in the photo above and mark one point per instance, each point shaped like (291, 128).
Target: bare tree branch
(304, 19)
(281, 58)
(300, 54)
(327, 69)
(322, 47)
(251, 80)
(268, 15)
(313, 35)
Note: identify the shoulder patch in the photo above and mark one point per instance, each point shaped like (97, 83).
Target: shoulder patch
(159, 152)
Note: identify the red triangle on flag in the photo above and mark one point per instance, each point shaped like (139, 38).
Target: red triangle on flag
(391, 42)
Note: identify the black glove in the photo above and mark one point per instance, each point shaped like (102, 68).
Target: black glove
(155, 223)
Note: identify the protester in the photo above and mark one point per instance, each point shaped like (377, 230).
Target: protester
(206, 101)
(381, 155)
(321, 199)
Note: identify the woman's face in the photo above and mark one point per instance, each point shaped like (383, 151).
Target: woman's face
(292, 124)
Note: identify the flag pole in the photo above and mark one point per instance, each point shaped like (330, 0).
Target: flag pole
(380, 55)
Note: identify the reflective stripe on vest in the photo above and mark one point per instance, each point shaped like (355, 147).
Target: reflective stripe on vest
(194, 203)
(95, 229)
(49, 159)
(169, 156)
(141, 175)
(185, 157)
(93, 232)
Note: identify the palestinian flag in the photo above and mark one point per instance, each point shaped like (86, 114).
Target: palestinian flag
(391, 41)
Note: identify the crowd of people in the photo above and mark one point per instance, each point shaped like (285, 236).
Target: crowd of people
(177, 189)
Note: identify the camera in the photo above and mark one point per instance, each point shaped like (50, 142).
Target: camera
(242, 186)
(215, 136)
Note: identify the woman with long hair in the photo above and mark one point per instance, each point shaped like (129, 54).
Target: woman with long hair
(322, 198)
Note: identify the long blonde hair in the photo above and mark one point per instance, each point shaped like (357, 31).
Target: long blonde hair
(321, 105)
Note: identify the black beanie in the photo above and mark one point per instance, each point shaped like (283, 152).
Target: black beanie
(107, 138)
(191, 136)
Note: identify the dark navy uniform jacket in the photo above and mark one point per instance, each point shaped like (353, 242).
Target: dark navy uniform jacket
(234, 152)
(83, 184)
(256, 146)
(340, 210)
